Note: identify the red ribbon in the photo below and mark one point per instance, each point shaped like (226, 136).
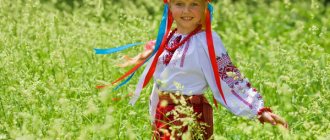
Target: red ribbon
(212, 55)
(160, 51)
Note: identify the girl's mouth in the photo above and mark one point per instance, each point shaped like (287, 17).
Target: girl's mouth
(186, 18)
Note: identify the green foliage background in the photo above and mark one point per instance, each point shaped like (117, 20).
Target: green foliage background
(48, 70)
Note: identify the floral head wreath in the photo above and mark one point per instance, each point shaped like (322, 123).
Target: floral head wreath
(164, 29)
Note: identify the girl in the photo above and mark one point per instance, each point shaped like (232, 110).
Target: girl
(184, 63)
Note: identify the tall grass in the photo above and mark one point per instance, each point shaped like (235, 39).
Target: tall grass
(48, 70)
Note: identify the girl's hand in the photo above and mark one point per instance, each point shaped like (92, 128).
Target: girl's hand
(148, 48)
(272, 119)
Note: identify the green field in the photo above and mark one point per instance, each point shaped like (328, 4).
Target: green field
(48, 69)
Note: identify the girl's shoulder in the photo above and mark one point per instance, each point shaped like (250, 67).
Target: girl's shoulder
(217, 42)
(202, 36)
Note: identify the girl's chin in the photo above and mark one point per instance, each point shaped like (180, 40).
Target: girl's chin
(191, 27)
(185, 31)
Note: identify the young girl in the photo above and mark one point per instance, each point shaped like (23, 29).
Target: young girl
(184, 63)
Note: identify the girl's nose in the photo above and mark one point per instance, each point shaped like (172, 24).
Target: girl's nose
(186, 9)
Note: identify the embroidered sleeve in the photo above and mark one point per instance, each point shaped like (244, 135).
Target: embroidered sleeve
(241, 98)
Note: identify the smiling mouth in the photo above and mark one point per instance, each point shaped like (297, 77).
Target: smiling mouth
(186, 18)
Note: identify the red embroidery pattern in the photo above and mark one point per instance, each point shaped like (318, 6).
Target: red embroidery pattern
(240, 98)
(176, 44)
(184, 54)
(259, 97)
(172, 49)
(224, 67)
(240, 87)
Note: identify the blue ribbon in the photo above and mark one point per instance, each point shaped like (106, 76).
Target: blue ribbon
(124, 82)
(160, 36)
(210, 8)
(113, 50)
(161, 30)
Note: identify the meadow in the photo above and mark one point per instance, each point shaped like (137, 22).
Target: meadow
(48, 68)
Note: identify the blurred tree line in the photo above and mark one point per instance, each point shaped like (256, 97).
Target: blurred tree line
(69, 5)
(109, 10)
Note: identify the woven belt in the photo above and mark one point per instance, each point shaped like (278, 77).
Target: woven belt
(192, 99)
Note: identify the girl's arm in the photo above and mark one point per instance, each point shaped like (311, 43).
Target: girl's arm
(241, 98)
(148, 48)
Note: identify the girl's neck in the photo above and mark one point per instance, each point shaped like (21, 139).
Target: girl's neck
(184, 31)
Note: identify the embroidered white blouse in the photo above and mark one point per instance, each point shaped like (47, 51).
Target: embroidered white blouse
(190, 73)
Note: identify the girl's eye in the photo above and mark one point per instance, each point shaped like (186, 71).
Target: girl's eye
(179, 4)
(194, 4)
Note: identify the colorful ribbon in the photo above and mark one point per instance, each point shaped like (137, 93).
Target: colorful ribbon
(114, 50)
(164, 30)
(210, 8)
(164, 26)
(211, 51)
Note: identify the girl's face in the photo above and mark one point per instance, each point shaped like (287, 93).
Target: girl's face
(187, 14)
